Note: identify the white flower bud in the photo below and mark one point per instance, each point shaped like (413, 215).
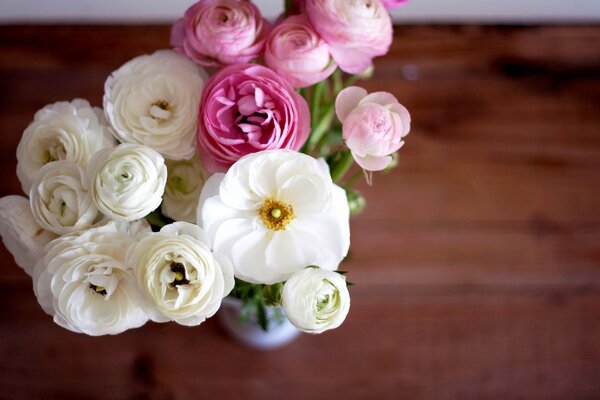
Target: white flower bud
(72, 131)
(127, 183)
(316, 300)
(59, 199)
(184, 184)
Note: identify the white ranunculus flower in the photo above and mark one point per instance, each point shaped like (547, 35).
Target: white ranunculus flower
(72, 131)
(274, 213)
(59, 198)
(21, 234)
(127, 182)
(85, 283)
(184, 184)
(316, 300)
(153, 100)
(181, 279)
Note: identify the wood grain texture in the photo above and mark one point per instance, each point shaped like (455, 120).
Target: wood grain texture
(477, 262)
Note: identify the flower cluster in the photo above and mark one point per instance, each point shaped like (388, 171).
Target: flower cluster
(191, 185)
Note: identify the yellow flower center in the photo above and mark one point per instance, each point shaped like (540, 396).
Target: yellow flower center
(275, 214)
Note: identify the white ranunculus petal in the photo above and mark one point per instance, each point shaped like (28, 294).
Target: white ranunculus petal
(72, 131)
(85, 283)
(59, 198)
(316, 300)
(127, 182)
(237, 212)
(182, 192)
(180, 278)
(20, 232)
(153, 100)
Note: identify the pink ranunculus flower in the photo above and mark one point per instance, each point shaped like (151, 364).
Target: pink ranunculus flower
(356, 31)
(220, 32)
(296, 52)
(373, 125)
(248, 108)
(391, 4)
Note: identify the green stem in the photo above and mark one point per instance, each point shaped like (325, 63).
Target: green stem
(315, 104)
(351, 80)
(352, 180)
(322, 126)
(342, 166)
(338, 84)
(304, 93)
(156, 219)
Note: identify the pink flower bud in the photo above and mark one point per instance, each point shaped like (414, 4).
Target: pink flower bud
(296, 52)
(356, 31)
(220, 32)
(391, 4)
(373, 126)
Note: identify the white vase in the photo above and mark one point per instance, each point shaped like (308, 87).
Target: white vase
(250, 333)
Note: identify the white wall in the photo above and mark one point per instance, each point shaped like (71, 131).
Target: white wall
(442, 11)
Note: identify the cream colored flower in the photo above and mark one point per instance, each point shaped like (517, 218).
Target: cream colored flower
(153, 100)
(21, 234)
(274, 213)
(85, 284)
(181, 279)
(184, 184)
(59, 198)
(72, 131)
(127, 182)
(316, 300)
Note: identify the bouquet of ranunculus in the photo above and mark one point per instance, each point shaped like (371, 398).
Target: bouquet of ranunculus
(214, 169)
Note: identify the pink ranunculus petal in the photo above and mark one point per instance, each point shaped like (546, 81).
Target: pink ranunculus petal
(372, 126)
(296, 52)
(261, 111)
(372, 163)
(347, 100)
(381, 98)
(220, 32)
(391, 4)
(354, 35)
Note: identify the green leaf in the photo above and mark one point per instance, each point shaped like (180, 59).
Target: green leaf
(271, 294)
(261, 315)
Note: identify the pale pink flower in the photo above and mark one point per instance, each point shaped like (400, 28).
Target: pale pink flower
(391, 4)
(373, 125)
(248, 108)
(356, 31)
(220, 32)
(296, 52)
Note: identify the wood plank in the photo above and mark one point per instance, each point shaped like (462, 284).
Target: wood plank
(477, 261)
(447, 344)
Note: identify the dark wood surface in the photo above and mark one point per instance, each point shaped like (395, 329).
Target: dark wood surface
(477, 262)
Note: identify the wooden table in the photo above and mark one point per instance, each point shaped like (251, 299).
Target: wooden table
(477, 262)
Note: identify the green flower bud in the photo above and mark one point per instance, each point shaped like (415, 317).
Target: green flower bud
(356, 202)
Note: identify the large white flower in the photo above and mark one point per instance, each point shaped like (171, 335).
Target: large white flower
(184, 184)
(153, 100)
(316, 300)
(72, 131)
(21, 234)
(84, 282)
(127, 182)
(274, 213)
(182, 280)
(59, 198)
